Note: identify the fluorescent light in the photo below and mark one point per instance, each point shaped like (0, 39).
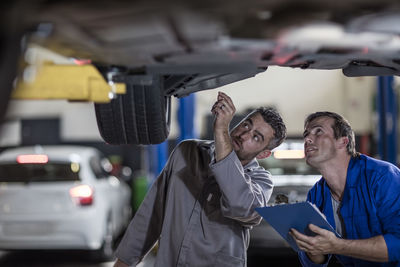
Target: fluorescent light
(289, 154)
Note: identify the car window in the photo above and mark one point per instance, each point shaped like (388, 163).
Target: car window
(14, 172)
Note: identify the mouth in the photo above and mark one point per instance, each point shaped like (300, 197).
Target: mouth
(236, 143)
(309, 150)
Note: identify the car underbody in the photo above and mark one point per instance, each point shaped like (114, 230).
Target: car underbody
(170, 49)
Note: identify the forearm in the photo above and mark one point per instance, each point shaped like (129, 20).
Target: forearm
(371, 249)
(223, 145)
(223, 109)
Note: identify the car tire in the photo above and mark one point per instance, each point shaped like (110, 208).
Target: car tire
(141, 116)
(106, 251)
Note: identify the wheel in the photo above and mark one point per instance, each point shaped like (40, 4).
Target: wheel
(110, 121)
(106, 251)
(141, 116)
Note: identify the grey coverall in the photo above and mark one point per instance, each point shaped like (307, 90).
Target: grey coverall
(199, 210)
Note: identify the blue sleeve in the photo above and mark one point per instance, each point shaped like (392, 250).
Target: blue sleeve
(387, 197)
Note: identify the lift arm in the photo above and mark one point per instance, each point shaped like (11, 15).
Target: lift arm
(71, 82)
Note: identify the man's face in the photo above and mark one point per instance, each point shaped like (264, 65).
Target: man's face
(250, 137)
(319, 141)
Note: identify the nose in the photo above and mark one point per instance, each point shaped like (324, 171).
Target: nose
(307, 140)
(244, 135)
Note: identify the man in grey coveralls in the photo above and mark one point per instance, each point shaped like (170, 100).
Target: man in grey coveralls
(202, 205)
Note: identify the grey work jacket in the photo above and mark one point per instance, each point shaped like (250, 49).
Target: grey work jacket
(198, 210)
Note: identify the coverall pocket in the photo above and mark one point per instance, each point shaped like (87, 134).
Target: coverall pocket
(224, 260)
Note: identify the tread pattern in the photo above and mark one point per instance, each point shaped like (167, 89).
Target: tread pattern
(141, 116)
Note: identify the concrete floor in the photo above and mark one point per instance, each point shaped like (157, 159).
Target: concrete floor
(57, 259)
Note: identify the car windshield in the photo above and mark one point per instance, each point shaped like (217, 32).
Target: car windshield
(52, 172)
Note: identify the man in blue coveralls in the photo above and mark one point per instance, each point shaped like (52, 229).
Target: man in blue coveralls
(359, 195)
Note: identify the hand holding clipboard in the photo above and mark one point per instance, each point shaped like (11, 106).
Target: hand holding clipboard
(283, 217)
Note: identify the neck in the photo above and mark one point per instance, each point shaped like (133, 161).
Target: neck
(335, 174)
(244, 162)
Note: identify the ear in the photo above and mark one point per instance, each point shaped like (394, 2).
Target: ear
(264, 154)
(342, 142)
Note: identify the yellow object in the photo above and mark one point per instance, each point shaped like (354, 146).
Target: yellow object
(71, 82)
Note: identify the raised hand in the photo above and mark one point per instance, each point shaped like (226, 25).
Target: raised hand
(223, 109)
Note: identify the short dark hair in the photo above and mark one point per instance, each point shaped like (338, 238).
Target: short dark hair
(341, 127)
(272, 117)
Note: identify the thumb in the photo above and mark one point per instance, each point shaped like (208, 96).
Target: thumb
(316, 229)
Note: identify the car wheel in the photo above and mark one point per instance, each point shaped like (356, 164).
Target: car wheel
(141, 116)
(106, 251)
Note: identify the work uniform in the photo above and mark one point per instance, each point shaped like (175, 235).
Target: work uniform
(199, 210)
(370, 207)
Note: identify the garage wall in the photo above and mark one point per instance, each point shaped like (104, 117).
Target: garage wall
(296, 93)
(77, 120)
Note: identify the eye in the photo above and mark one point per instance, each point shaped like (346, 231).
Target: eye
(246, 125)
(317, 131)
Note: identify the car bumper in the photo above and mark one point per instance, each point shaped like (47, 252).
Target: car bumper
(83, 230)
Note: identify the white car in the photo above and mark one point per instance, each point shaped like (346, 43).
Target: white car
(61, 197)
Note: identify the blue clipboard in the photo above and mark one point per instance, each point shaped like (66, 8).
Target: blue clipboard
(283, 217)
